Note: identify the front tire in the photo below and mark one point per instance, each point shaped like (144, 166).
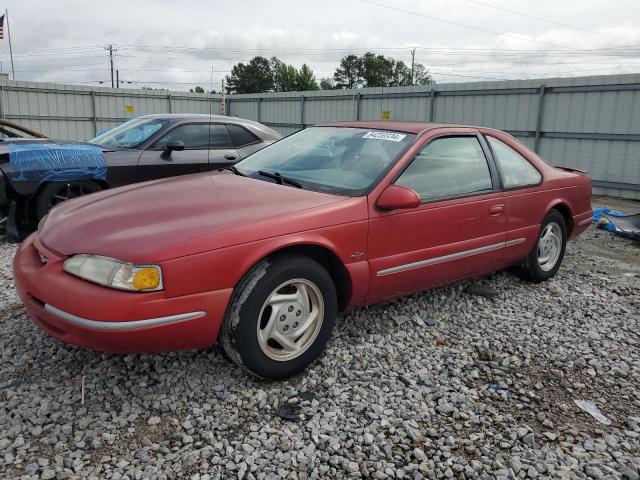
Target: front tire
(546, 257)
(55, 193)
(280, 317)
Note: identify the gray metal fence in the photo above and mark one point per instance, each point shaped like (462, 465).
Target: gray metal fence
(79, 112)
(591, 123)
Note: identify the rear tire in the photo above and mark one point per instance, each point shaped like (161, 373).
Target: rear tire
(546, 257)
(55, 193)
(280, 317)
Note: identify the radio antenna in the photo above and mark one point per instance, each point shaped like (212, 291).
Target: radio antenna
(210, 115)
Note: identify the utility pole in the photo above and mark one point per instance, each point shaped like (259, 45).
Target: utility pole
(223, 98)
(413, 62)
(117, 78)
(111, 50)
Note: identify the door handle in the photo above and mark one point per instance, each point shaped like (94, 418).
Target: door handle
(230, 157)
(495, 210)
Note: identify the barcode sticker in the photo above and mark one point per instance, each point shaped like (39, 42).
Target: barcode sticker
(391, 136)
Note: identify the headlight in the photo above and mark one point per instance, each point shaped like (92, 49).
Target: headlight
(41, 222)
(115, 273)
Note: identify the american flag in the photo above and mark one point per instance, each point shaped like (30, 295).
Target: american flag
(1, 27)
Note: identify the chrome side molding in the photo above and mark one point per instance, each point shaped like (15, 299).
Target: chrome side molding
(120, 326)
(450, 257)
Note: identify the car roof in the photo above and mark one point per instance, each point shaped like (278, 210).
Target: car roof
(408, 127)
(186, 117)
(194, 116)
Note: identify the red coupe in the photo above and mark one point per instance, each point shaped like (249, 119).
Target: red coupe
(266, 254)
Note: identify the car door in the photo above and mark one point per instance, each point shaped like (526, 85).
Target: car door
(203, 144)
(222, 153)
(457, 231)
(525, 203)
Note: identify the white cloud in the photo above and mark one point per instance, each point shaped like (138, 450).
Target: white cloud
(223, 33)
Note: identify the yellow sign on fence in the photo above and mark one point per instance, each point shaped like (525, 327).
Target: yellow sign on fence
(129, 108)
(386, 115)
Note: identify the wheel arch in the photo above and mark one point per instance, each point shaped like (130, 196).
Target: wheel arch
(321, 253)
(566, 212)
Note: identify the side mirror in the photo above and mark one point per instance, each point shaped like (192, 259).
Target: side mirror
(176, 145)
(395, 196)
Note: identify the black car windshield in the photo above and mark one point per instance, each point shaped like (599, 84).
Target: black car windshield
(344, 161)
(130, 134)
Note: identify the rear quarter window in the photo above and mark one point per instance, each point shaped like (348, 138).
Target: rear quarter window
(240, 136)
(516, 170)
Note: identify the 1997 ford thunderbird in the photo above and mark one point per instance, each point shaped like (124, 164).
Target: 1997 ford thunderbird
(265, 255)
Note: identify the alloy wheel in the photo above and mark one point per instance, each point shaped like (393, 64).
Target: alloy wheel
(290, 319)
(549, 246)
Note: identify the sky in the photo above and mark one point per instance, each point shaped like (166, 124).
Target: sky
(178, 45)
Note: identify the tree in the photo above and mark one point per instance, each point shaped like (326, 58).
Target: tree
(255, 77)
(421, 75)
(305, 79)
(327, 84)
(285, 77)
(198, 89)
(376, 70)
(347, 75)
(371, 70)
(401, 74)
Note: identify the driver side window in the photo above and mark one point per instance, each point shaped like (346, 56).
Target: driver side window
(197, 136)
(448, 167)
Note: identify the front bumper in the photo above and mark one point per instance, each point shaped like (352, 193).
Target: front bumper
(78, 312)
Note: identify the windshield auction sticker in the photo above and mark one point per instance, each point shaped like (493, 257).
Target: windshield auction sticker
(391, 136)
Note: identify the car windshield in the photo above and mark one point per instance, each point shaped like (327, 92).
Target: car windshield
(130, 134)
(344, 161)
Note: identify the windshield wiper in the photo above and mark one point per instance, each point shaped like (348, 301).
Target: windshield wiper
(233, 169)
(280, 179)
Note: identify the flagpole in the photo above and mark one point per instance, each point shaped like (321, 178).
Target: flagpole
(13, 73)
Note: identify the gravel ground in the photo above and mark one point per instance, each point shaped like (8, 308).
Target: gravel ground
(472, 380)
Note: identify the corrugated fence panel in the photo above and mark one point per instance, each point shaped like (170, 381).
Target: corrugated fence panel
(329, 110)
(605, 112)
(592, 123)
(244, 109)
(280, 111)
(504, 112)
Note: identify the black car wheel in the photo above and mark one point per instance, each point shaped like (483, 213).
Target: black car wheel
(280, 317)
(55, 193)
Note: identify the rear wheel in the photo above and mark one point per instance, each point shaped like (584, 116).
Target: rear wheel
(546, 257)
(280, 317)
(55, 193)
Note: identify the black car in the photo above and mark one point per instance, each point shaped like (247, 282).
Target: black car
(38, 173)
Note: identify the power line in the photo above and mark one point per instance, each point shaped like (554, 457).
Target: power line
(464, 25)
(545, 19)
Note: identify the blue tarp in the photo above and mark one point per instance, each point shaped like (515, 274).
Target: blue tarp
(40, 162)
(620, 223)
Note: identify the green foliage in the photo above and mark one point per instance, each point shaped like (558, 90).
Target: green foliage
(421, 75)
(255, 77)
(262, 75)
(327, 84)
(198, 89)
(347, 75)
(285, 77)
(305, 80)
(369, 70)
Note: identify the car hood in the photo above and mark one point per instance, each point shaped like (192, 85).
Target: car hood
(4, 144)
(159, 219)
